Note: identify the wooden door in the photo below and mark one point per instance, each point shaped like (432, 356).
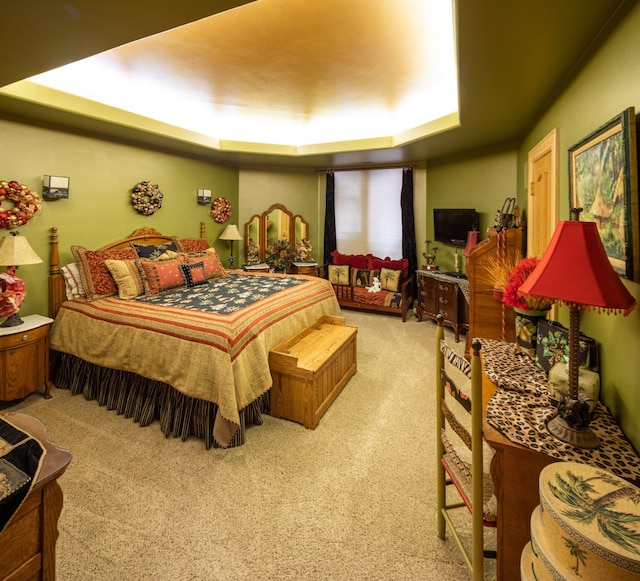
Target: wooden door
(543, 194)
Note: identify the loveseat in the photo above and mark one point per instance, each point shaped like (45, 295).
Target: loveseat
(352, 274)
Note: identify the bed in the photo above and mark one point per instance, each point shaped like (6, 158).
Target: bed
(193, 356)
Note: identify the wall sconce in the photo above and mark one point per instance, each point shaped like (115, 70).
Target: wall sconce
(55, 187)
(204, 196)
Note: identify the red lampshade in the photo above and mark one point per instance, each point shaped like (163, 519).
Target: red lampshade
(575, 270)
(472, 240)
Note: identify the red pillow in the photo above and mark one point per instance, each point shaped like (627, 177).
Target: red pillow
(378, 263)
(354, 260)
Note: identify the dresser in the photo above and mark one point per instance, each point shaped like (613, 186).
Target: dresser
(28, 543)
(439, 293)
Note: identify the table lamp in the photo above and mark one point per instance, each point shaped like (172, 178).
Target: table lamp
(14, 251)
(231, 233)
(576, 271)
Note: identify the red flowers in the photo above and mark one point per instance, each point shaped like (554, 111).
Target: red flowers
(12, 293)
(523, 268)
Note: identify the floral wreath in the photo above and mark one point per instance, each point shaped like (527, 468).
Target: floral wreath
(146, 198)
(221, 210)
(26, 204)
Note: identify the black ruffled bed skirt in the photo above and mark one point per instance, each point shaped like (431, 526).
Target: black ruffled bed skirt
(145, 400)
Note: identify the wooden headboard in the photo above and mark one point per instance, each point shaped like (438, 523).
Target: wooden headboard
(57, 294)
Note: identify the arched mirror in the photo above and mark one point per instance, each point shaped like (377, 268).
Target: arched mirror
(274, 225)
(278, 222)
(253, 240)
(301, 229)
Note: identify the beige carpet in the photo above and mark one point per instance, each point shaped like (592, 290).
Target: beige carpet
(353, 499)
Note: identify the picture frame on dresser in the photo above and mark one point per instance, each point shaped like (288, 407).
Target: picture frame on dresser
(603, 181)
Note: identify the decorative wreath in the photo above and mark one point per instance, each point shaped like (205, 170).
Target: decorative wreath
(146, 198)
(221, 210)
(26, 204)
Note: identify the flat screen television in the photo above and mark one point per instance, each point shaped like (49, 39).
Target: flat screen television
(450, 225)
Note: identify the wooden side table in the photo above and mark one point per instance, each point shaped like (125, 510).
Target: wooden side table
(24, 358)
(309, 268)
(29, 540)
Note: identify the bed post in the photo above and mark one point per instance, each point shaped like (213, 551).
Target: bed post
(56, 282)
(202, 230)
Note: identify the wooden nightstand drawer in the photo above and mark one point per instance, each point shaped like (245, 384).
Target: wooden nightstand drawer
(18, 339)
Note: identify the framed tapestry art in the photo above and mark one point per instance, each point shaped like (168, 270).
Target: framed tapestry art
(603, 182)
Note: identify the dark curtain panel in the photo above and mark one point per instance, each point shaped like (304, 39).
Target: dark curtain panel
(330, 242)
(408, 221)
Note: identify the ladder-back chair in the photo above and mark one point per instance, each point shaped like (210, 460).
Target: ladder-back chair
(460, 450)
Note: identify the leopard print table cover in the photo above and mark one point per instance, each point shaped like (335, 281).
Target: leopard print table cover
(520, 409)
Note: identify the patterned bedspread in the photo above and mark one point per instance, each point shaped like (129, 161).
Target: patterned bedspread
(210, 342)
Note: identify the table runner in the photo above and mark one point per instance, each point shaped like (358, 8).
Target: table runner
(21, 458)
(520, 409)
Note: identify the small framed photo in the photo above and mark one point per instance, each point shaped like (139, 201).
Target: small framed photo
(603, 181)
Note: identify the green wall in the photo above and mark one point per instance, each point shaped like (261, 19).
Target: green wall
(481, 181)
(606, 86)
(297, 190)
(98, 210)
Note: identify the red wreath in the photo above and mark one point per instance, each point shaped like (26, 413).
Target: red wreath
(26, 204)
(221, 210)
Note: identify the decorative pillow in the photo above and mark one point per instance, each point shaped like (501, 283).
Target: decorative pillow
(212, 266)
(360, 277)
(72, 281)
(96, 278)
(168, 255)
(161, 276)
(353, 260)
(390, 279)
(378, 263)
(153, 251)
(194, 274)
(127, 277)
(191, 244)
(339, 274)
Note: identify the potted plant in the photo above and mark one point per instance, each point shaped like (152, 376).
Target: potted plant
(529, 309)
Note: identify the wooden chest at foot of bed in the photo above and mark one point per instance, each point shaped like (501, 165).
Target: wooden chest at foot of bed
(310, 369)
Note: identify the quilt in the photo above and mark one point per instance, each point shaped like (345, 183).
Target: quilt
(209, 342)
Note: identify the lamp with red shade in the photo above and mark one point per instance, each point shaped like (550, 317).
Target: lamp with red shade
(576, 271)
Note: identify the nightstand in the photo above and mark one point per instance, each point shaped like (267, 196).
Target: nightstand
(309, 268)
(24, 358)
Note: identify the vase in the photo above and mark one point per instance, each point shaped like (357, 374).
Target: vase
(527, 330)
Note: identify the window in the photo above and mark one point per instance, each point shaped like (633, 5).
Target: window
(368, 212)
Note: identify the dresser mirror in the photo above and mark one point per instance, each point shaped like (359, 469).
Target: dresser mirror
(274, 224)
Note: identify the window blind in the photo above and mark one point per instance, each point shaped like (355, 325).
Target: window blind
(368, 212)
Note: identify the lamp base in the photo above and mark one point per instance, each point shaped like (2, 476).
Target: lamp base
(13, 321)
(581, 437)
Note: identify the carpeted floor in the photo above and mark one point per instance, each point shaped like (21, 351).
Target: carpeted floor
(353, 499)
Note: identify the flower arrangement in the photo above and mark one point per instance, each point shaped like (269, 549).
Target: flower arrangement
(12, 293)
(511, 297)
(279, 255)
(221, 210)
(146, 198)
(26, 203)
